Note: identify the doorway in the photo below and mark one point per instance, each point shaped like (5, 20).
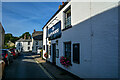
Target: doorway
(54, 54)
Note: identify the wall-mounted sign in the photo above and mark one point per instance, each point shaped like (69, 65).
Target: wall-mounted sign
(55, 31)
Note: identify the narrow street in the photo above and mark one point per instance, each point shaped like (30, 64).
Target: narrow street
(25, 67)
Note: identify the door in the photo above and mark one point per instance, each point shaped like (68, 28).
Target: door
(54, 53)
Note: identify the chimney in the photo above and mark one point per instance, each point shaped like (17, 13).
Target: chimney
(25, 36)
(60, 6)
(62, 3)
(34, 30)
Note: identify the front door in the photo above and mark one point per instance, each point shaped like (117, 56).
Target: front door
(54, 53)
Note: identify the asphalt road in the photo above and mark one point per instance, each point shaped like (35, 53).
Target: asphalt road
(25, 67)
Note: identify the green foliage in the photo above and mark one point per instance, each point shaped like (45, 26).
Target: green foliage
(8, 47)
(27, 35)
(10, 37)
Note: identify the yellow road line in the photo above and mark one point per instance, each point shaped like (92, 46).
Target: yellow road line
(44, 70)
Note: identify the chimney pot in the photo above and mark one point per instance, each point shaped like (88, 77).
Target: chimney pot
(34, 30)
(62, 3)
(60, 6)
(25, 36)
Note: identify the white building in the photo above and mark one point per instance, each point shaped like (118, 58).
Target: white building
(24, 45)
(87, 33)
(37, 40)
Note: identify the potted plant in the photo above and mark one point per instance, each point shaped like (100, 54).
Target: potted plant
(65, 61)
(46, 55)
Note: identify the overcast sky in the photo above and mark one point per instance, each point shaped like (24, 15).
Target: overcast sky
(20, 17)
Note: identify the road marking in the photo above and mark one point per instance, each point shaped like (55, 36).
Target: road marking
(44, 69)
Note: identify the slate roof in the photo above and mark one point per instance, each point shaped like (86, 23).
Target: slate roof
(24, 40)
(36, 33)
(38, 37)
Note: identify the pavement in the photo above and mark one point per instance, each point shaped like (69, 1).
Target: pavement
(31, 66)
(57, 73)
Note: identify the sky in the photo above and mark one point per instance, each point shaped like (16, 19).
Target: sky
(20, 17)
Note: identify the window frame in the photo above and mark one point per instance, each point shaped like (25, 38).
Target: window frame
(79, 52)
(69, 42)
(43, 47)
(64, 12)
(37, 42)
(28, 42)
(28, 48)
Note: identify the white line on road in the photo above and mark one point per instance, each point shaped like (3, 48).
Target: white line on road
(44, 70)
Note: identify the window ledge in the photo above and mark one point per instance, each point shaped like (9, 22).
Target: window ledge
(67, 28)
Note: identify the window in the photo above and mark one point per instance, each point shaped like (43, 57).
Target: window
(67, 50)
(28, 48)
(29, 43)
(36, 42)
(36, 48)
(18, 44)
(76, 53)
(68, 17)
(43, 47)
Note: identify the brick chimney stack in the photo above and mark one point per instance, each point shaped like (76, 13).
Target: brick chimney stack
(60, 6)
(34, 30)
(62, 3)
(25, 36)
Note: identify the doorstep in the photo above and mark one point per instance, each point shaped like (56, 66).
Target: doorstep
(56, 71)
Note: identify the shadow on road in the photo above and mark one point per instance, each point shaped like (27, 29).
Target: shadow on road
(24, 67)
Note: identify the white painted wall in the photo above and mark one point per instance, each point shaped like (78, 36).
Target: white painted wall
(44, 41)
(40, 45)
(24, 45)
(95, 27)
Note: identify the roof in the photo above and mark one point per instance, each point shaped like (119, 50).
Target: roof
(38, 37)
(56, 13)
(2, 27)
(24, 40)
(36, 33)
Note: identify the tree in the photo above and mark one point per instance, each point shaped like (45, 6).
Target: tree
(27, 35)
(10, 37)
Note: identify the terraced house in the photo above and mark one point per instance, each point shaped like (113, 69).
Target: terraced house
(37, 40)
(85, 34)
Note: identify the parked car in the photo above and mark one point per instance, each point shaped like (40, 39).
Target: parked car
(6, 56)
(13, 53)
(16, 52)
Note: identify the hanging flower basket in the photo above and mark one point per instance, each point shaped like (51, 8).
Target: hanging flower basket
(65, 61)
(46, 55)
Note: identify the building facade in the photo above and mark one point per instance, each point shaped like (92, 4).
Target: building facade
(2, 35)
(24, 45)
(37, 40)
(87, 34)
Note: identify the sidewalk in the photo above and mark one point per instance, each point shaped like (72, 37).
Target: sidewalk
(58, 73)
